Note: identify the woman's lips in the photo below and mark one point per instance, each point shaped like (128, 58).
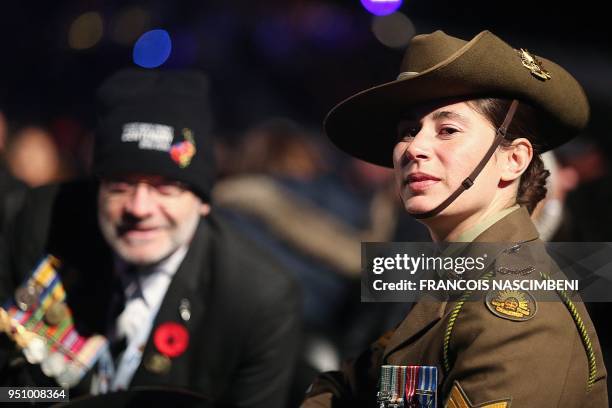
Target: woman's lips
(419, 182)
(419, 186)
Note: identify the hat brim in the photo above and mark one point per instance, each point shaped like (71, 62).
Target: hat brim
(365, 124)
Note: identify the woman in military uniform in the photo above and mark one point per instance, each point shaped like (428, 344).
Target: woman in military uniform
(463, 126)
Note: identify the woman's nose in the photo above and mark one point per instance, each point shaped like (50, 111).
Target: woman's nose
(418, 147)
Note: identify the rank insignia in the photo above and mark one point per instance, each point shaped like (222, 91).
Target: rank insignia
(408, 386)
(516, 305)
(458, 399)
(530, 62)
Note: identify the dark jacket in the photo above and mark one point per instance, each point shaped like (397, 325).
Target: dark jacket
(492, 361)
(244, 320)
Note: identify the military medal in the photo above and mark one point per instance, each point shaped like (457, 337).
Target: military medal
(408, 386)
(71, 376)
(53, 365)
(26, 297)
(56, 313)
(39, 321)
(35, 350)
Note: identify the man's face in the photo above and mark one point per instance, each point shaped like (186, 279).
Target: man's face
(146, 218)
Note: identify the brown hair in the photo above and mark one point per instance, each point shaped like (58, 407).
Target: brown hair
(528, 123)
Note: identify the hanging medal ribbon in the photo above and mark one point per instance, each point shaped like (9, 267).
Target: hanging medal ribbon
(427, 387)
(408, 387)
(40, 322)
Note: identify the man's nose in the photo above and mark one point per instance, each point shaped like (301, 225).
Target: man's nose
(141, 202)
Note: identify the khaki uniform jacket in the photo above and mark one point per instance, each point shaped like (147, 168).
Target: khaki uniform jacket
(494, 362)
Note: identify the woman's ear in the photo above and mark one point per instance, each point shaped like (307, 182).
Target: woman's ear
(515, 159)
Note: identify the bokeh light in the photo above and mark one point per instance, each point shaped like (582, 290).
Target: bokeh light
(394, 30)
(86, 31)
(152, 49)
(381, 7)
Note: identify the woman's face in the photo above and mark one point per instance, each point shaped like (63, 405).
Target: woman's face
(438, 147)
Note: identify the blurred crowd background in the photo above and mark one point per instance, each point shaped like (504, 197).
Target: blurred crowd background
(275, 69)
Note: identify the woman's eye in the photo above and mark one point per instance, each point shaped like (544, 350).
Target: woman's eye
(409, 133)
(447, 131)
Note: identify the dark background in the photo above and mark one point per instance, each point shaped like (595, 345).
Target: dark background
(292, 58)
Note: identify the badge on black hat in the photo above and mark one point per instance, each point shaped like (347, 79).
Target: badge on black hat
(183, 152)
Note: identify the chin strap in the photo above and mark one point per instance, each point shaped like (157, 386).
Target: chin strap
(469, 181)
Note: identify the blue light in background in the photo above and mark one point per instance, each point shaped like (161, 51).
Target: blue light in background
(152, 49)
(381, 7)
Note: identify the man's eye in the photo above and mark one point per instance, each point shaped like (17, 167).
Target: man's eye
(117, 187)
(169, 189)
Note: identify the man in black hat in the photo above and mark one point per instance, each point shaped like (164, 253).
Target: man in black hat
(181, 300)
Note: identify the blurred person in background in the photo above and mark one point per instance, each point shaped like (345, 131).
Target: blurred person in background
(588, 204)
(550, 216)
(586, 214)
(33, 157)
(181, 299)
(282, 193)
(12, 193)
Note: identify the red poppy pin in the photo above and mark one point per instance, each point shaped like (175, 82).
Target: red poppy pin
(183, 152)
(171, 339)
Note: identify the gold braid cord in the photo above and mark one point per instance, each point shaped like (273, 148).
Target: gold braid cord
(453, 317)
(584, 335)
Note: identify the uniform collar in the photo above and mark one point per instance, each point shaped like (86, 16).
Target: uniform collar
(516, 226)
(475, 231)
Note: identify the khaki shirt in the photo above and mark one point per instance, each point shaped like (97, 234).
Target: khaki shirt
(494, 362)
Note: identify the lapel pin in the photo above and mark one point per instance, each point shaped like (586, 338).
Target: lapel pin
(185, 310)
(171, 339)
(158, 363)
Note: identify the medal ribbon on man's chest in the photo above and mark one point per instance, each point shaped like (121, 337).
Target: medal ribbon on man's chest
(38, 319)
